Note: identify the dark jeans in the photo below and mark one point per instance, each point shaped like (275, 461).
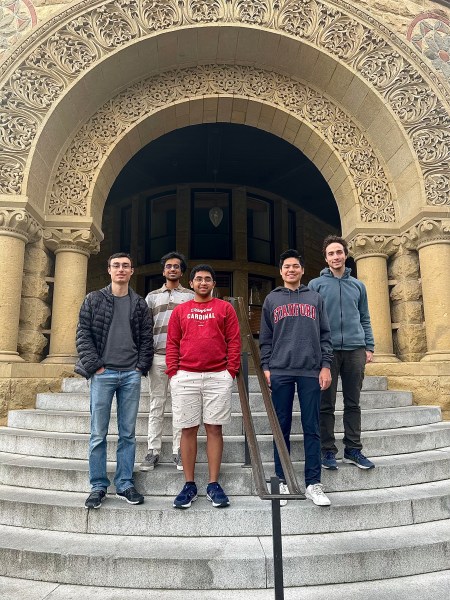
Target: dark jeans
(308, 390)
(350, 365)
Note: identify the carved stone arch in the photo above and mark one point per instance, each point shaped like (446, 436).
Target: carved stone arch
(57, 61)
(241, 94)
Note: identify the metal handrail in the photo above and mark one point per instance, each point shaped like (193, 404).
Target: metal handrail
(249, 428)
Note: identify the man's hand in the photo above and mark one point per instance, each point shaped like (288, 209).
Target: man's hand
(324, 378)
(267, 376)
(369, 356)
(99, 371)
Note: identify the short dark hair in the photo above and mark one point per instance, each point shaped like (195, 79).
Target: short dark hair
(180, 257)
(120, 255)
(291, 253)
(198, 268)
(334, 239)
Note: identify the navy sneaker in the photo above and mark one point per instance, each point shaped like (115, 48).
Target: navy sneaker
(131, 495)
(356, 457)
(216, 495)
(187, 496)
(329, 460)
(95, 499)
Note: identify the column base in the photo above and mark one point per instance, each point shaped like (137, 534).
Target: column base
(436, 357)
(384, 358)
(10, 357)
(60, 359)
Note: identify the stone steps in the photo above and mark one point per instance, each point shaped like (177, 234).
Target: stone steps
(349, 511)
(207, 562)
(72, 475)
(79, 402)
(79, 422)
(390, 524)
(433, 586)
(382, 442)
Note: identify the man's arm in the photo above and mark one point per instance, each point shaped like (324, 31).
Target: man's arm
(326, 347)
(174, 334)
(233, 341)
(364, 317)
(265, 340)
(85, 343)
(146, 351)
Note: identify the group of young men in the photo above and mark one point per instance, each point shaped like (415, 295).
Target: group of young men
(189, 344)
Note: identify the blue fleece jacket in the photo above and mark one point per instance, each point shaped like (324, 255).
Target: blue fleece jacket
(295, 336)
(347, 309)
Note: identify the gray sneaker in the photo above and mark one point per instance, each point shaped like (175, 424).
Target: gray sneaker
(150, 461)
(176, 458)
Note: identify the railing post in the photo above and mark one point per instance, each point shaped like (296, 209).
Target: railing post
(276, 539)
(244, 371)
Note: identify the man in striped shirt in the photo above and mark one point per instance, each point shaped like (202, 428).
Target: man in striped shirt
(161, 303)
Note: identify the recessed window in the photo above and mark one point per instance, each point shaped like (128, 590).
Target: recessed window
(211, 225)
(160, 226)
(259, 230)
(125, 229)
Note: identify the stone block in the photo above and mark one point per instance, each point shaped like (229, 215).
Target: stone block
(34, 286)
(5, 392)
(408, 289)
(37, 260)
(411, 338)
(23, 391)
(411, 312)
(405, 266)
(34, 313)
(31, 345)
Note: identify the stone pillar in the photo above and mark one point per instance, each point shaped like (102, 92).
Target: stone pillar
(17, 227)
(433, 244)
(370, 253)
(72, 249)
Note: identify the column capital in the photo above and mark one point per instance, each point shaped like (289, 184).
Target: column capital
(363, 246)
(82, 241)
(18, 223)
(427, 232)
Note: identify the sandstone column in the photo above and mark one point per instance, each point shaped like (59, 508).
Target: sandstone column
(371, 253)
(72, 249)
(433, 244)
(17, 227)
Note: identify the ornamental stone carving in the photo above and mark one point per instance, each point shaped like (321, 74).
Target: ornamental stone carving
(75, 240)
(95, 138)
(17, 222)
(428, 232)
(373, 245)
(54, 55)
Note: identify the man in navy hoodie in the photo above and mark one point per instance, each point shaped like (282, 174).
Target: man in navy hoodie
(351, 333)
(296, 351)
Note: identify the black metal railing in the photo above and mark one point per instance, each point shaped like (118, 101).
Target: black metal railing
(252, 447)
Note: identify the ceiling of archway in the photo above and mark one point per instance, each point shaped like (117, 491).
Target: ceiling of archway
(54, 56)
(229, 154)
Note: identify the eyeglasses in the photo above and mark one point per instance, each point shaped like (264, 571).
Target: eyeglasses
(168, 267)
(123, 266)
(205, 279)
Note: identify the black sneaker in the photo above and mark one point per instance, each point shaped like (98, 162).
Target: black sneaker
(95, 499)
(186, 497)
(131, 495)
(176, 458)
(329, 460)
(356, 457)
(150, 461)
(216, 495)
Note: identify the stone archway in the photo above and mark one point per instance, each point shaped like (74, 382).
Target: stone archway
(83, 57)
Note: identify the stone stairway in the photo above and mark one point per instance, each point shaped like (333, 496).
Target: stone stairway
(386, 534)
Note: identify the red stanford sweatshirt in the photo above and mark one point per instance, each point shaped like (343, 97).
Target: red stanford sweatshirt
(203, 337)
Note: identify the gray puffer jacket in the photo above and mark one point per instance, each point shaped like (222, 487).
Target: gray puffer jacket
(93, 327)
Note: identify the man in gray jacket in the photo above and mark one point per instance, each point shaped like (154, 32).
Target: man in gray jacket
(351, 333)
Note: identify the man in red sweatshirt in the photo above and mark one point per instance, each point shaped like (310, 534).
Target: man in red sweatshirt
(202, 356)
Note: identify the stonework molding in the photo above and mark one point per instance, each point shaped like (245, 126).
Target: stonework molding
(55, 55)
(17, 222)
(82, 241)
(363, 246)
(427, 232)
(95, 139)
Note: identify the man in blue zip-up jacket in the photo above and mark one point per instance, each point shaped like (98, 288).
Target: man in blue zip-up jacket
(351, 334)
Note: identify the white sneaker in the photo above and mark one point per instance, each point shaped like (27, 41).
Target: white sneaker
(315, 493)
(284, 490)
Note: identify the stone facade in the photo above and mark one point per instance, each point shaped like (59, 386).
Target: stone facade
(362, 89)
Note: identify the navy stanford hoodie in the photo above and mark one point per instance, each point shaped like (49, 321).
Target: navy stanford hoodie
(295, 335)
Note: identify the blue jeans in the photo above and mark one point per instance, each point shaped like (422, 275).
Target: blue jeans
(127, 387)
(308, 390)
